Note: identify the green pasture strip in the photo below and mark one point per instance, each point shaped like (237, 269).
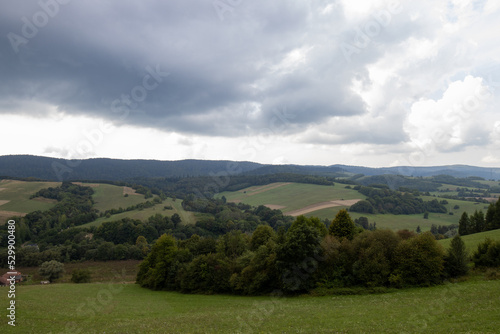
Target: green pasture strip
(467, 307)
(186, 216)
(293, 196)
(18, 194)
(472, 240)
(107, 196)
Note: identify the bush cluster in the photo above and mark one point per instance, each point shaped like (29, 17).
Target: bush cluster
(306, 257)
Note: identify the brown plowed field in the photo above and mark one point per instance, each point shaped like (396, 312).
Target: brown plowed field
(4, 215)
(259, 190)
(91, 185)
(274, 206)
(130, 191)
(321, 205)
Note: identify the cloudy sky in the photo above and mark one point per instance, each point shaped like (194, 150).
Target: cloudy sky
(373, 83)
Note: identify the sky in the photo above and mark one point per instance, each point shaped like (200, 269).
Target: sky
(311, 82)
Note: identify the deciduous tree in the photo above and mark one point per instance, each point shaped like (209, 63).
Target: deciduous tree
(296, 257)
(51, 270)
(418, 261)
(342, 226)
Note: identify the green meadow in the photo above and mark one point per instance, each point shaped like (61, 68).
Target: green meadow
(390, 221)
(15, 197)
(472, 240)
(472, 306)
(107, 196)
(112, 303)
(291, 196)
(410, 222)
(187, 217)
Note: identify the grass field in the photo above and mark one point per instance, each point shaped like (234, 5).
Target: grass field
(291, 196)
(187, 217)
(16, 197)
(467, 307)
(451, 190)
(390, 221)
(107, 196)
(472, 240)
(101, 272)
(15, 200)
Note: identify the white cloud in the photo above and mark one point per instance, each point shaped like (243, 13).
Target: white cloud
(417, 92)
(453, 122)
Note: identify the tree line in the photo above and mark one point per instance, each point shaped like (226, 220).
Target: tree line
(479, 222)
(56, 234)
(381, 199)
(74, 208)
(308, 256)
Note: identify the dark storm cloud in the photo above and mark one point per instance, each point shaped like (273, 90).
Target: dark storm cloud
(175, 65)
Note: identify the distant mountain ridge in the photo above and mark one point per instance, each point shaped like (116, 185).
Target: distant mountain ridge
(53, 169)
(24, 166)
(452, 170)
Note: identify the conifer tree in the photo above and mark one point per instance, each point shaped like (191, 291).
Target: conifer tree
(463, 224)
(457, 258)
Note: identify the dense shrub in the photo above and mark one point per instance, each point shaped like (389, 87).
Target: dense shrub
(207, 274)
(342, 226)
(296, 258)
(487, 254)
(80, 276)
(299, 260)
(158, 270)
(374, 255)
(51, 270)
(418, 261)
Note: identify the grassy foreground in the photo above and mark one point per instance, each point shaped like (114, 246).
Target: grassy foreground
(467, 307)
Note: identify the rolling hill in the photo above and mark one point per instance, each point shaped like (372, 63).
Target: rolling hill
(472, 240)
(24, 166)
(52, 169)
(15, 201)
(15, 198)
(325, 202)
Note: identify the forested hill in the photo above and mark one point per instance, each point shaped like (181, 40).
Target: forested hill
(459, 171)
(25, 166)
(28, 166)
